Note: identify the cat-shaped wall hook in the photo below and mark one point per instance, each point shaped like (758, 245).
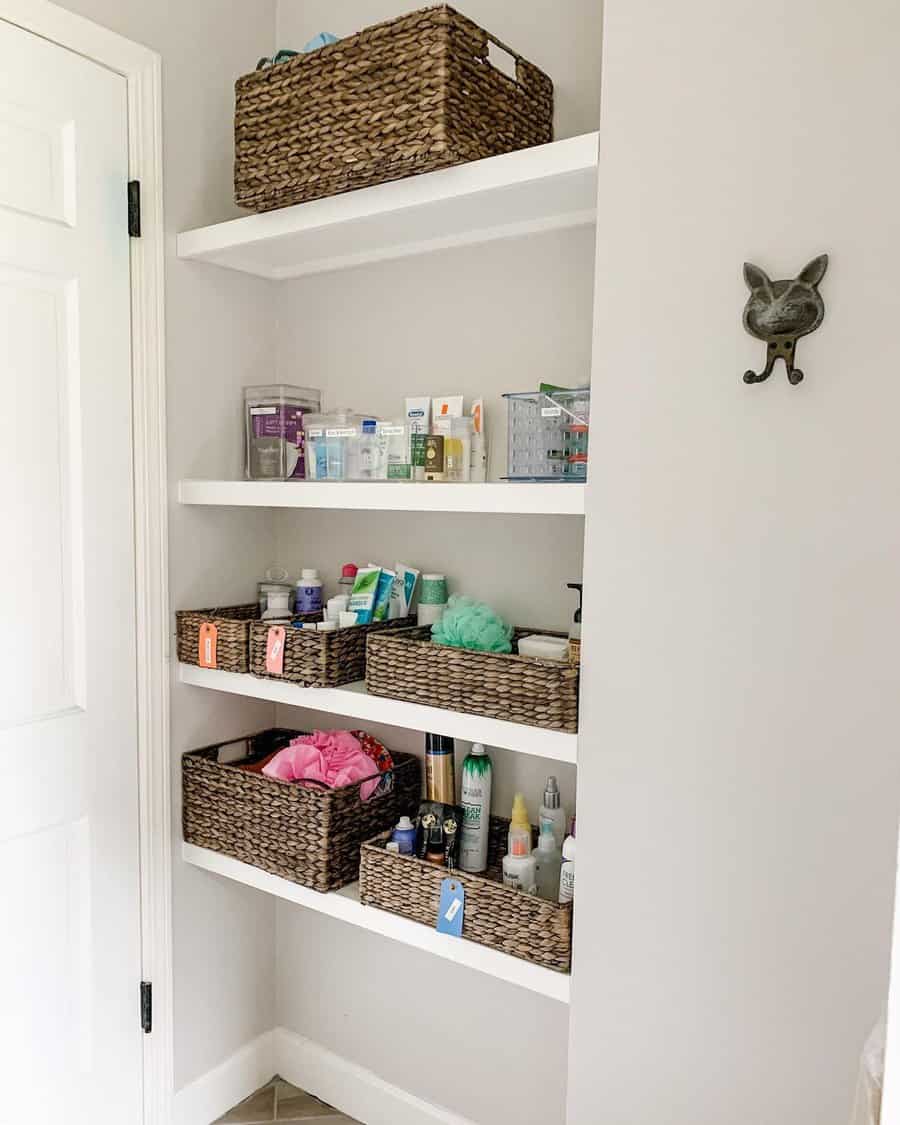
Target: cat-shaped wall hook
(780, 312)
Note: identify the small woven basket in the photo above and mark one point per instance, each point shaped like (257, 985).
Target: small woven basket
(310, 835)
(319, 659)
(522, 689)
(403, 97)
(232, 625)
(494, 915)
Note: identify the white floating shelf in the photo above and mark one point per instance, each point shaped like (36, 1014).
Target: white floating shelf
(354, 702)
(536, 189)
(389, 496)
(345, 905)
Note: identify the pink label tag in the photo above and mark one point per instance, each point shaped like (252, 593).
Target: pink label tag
(207, 645)
(275, 650)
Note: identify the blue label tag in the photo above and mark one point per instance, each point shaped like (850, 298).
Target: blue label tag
(450, 912)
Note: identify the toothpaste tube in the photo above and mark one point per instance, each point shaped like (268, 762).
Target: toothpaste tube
(402, 591)
(383, 595)
(362, 597)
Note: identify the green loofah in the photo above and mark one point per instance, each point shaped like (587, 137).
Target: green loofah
(470, 624)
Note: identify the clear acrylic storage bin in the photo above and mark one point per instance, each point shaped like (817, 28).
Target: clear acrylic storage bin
(548, 435)
(330, 445)
(274, 430)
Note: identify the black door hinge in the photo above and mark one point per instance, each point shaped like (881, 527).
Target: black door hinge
(146, 1007)
(134, 208)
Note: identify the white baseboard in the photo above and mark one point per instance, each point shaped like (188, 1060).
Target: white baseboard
(215, 1092)
(351, 1088)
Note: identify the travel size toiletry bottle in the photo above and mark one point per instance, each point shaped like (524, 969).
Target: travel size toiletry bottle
(519, 867)
(567, 871)
(552, 816)
(476, 803)
(405, 836)
(548, 858)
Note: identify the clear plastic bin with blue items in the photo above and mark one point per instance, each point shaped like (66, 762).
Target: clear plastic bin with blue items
(344, 446)
(548, 435)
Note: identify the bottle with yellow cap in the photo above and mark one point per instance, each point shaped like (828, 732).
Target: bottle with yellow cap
(519, 867)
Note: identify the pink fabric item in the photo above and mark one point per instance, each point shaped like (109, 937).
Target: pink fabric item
(334, 757)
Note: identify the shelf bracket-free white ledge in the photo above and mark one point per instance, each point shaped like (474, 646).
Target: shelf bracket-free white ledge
(547, 187)
(345, 905)
(389, 496)
(353, 701)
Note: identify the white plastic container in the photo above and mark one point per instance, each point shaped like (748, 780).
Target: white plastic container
(308, 592)
(567, 871)
(542, 647)
(475, 798)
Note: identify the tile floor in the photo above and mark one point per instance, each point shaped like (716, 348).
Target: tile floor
(280, 1101)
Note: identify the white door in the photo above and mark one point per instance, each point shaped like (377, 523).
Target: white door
(70, 1038)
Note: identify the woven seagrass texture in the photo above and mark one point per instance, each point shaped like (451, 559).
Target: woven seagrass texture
(501, 917)
(522, 689)
(319, 659)
(403, 97)
(232, 634)
(310, 835)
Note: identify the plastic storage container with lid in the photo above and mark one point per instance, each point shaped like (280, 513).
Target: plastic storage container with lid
(274, 432)
(548, 435)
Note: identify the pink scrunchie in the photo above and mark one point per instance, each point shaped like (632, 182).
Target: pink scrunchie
(334, 757)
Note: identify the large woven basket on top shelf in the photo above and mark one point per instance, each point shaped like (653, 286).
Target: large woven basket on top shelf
(232, 633)
(319, 660)
(501, 917)
(403, 97)
(310, 835)
(409, 665)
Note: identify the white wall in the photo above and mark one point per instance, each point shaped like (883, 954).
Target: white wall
(737, 823)
(477, 320)
(563, 40)
(219, 337)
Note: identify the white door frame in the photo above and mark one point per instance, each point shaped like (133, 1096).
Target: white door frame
(142, 71)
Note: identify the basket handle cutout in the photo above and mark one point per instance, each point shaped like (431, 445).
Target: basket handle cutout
(502, 59)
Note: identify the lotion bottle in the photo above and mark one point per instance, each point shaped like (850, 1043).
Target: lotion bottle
(519, 867)
(548, 859)
(475, 799)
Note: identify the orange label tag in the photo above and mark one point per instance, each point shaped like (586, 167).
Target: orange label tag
(275, 650)
(207, 645)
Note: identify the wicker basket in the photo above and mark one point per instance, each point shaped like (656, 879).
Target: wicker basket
(308, 835)
(319, 659)
(232, 634)
(522, 689)
(494, 915)
(403, 97)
